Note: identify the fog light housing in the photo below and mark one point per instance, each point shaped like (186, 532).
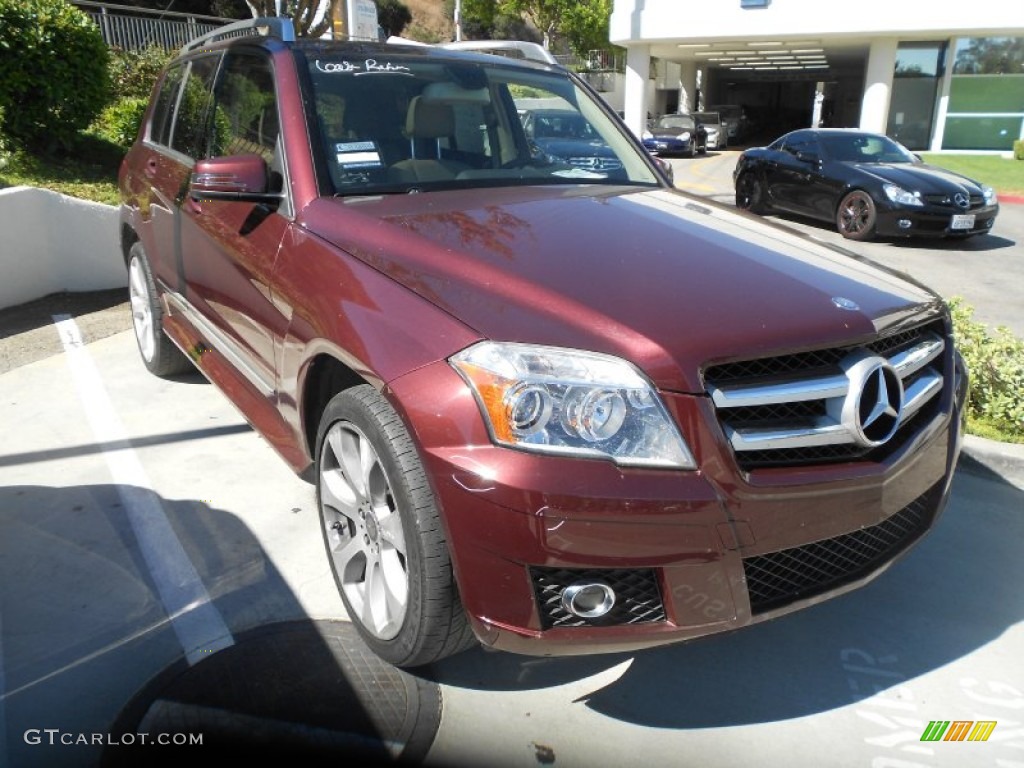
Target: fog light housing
(588, 600)
(904, 223)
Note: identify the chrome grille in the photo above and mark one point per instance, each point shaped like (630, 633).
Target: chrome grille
(808, 407)
(779, 578)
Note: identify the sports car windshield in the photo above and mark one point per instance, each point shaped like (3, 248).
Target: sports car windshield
(406, 122)
(676, 123)
(859, 148)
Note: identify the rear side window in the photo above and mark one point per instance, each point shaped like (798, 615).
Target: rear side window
(191, 134)
(163, 110)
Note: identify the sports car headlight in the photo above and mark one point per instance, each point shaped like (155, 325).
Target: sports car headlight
(990, 195)
(570, 402)
(900, 196)
(684, 136)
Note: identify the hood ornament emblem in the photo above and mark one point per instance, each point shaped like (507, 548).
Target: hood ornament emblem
(844, 303)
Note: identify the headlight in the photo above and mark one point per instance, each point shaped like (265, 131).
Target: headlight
(684, 136)
(901, 196)
(647, 135)
(990, 195)
(570, 402)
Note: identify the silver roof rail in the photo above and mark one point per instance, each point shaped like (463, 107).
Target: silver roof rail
(517, 49)
(279, 27)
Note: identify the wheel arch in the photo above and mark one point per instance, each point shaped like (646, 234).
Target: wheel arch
(129, 237)
(326, 376)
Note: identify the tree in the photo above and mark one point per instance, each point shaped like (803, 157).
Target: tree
(54, 65)
(583, 24)
(393, 16)
(305, 14)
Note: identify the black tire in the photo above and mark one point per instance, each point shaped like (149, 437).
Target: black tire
(159, 354)
(383, 534)
(750, 193)
(856, 216)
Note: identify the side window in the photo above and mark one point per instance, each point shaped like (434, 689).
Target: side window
(190, 135)
(163, 110)
(245, 114)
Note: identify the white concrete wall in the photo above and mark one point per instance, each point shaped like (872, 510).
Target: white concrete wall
(649, 21)
(51, 242)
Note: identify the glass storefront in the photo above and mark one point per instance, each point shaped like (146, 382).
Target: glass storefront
(915, 84)
(986, 94)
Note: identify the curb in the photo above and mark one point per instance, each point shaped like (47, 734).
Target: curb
(1015, 199)
(1005, 459)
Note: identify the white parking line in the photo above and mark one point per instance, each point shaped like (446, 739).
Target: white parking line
(196, 621)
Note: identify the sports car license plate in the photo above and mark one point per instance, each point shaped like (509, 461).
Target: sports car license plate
(962, 221)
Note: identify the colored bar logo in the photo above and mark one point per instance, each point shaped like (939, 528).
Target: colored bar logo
(958, 730)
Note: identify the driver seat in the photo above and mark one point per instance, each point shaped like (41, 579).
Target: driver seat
(425, 124)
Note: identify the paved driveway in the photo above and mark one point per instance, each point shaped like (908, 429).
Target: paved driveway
(986, 271)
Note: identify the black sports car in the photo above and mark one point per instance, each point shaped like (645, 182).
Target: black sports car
(866, 183)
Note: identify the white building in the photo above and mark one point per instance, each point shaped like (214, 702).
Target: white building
(936, 74)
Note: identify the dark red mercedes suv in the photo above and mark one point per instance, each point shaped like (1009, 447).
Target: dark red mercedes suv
(548, 402)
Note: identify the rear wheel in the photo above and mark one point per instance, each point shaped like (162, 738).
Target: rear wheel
(383, 533)
(856, 216)
(750, 193)
(159, 354)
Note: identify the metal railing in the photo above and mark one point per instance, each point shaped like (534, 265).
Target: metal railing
(131, 28)
(594, 61)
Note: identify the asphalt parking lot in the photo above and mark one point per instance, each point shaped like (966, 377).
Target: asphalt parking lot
(161, 572)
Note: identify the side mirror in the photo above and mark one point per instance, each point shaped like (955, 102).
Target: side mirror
(242, 178)
(808, 157)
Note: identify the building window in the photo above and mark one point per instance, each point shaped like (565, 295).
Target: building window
(986, 94)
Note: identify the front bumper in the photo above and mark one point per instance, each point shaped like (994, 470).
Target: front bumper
(932, 221)
(668, 145)
(687, 553)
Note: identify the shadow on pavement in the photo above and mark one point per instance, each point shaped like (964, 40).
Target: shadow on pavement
(89, 658)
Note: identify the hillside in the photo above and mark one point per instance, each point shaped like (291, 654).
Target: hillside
(431, 21)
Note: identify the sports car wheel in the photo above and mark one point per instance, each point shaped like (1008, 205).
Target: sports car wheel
(750, 193)
(856, 216)
(384, 539)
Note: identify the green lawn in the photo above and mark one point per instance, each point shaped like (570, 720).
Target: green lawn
(88, 171)
(1004, 175)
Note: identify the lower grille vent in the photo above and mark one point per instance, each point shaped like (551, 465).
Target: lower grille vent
(779, 578)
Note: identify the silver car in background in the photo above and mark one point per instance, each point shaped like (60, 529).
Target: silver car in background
(712, 122)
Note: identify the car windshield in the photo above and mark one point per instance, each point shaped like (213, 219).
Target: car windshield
(865, 148)
(707, 117)
(676, 123)
(403, 121)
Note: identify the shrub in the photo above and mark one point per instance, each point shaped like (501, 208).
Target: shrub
(995, 360)
(133, 73)
(1018, 149)
(119, 122)
(54, 68)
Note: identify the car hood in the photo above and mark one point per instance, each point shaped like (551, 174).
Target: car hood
(926, 179)
(652, 276)
(560, 147)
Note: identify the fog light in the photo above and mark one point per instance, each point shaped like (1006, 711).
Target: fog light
(904, 224)
(588, 600)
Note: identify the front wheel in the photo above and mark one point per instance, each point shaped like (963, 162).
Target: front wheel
(383, 534)
(856, 216)
(750, 194)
